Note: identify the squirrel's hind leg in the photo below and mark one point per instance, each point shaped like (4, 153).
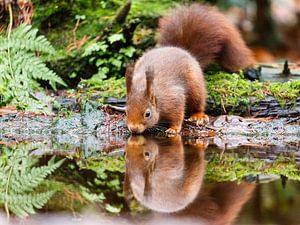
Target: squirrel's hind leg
(199, 118)
(197, 99)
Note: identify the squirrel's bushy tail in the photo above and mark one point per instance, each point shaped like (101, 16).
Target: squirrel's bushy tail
(207, 34)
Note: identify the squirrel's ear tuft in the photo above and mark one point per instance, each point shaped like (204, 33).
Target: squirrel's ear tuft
(128, 77)
(149, 79)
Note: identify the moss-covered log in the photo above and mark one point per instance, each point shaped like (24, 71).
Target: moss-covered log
(233, 94)
(269, 106)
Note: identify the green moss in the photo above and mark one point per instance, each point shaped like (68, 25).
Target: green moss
(232, 92)
(57, 19)
(232, 168)
(285, 92)
(146, 8)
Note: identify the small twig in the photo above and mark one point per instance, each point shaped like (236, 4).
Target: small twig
(223, 106)
(75, 29)
(117, 108)
(292, 120)
(223, 151)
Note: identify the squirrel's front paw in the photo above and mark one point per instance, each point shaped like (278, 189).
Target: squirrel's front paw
(200, 118)
(172, 131)
(199, 143)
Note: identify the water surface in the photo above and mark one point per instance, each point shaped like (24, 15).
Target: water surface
(152, 180)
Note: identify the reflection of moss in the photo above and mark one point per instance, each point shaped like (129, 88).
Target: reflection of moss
(109, 171)
(71, 187)
(109, 177)
(96, 181)
(231, 168)
(71, 197)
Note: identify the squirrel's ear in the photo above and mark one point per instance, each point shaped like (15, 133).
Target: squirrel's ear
(149, 87)
(128, 77)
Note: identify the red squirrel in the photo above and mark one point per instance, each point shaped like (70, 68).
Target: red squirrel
(168, 81)
(167, 175)
(164, 175)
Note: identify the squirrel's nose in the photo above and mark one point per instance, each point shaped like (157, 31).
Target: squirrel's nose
(136, 129)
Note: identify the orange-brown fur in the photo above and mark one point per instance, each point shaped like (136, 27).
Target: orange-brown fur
(168, 81)
(163, 175)
(169, 178)
(207, 34)
(215, 204)
(178, 84)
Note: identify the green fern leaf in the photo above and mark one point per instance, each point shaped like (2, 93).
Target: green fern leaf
(21, 68)
(25, 38)
(20, 179)
(34, 68)
(32, 178)
(25, 204)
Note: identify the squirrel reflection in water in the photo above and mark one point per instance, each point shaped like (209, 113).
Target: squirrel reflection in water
(166, 176)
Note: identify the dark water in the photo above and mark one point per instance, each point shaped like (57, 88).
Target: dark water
(217, 203)
(154, 180)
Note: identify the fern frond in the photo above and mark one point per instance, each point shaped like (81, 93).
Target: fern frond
(25, 38)
(32, 178)
(35, 68)
(24, 204)
(20, 179)
(22, 30)
(21, 68)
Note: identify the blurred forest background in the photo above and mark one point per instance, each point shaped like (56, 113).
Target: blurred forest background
(96, 40)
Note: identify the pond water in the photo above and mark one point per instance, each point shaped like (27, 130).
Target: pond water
(273, 73)
(150, 180)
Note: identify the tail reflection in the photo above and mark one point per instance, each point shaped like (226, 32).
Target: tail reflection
(163, 174)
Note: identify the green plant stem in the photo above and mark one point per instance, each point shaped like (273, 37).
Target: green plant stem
(6, 193)
(8, 37)
(10, 20)
(11, 70)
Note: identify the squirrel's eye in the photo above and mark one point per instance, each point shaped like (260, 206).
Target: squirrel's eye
(147, 113)
(146, 155)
